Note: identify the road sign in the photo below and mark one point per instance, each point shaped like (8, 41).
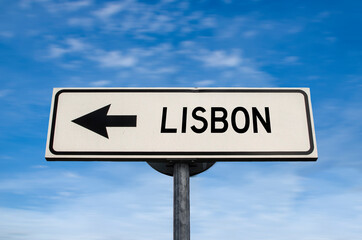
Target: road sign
(216, 124)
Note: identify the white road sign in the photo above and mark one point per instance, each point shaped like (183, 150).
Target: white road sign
(216, 124)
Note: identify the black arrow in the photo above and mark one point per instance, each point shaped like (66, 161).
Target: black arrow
(97, 121)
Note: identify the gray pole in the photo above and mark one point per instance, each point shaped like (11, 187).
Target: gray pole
(181, 201)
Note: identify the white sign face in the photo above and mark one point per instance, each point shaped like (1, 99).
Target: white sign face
(216, 124)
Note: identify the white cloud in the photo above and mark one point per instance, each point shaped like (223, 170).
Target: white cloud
(56, 51)
(40, 166)
(53, 7)
(295, 29)
(339, 144)
(132, 201)
(66, 205)
(111, 9)
(157, 70)
(4, 92)
(153, 60)
(70, 64)
(251, 26)
(291, 60)
(71, 45)
(28, 3)
(219, 59)
(100, 83)
(6, 34)
(259, 203)
(75, 5)
(331, 39)
(208, 22)
(81, 22)
(252, 74)
(250, 33)
(141, 19)
(114, 59)
(204, 83)
(229, 67)
(322, 16)
(76, 45)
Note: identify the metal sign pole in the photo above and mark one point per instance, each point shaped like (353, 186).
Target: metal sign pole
(181, 201)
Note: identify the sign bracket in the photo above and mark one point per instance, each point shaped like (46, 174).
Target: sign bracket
(167, 168)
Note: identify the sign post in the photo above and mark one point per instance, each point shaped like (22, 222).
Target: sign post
(181, 201)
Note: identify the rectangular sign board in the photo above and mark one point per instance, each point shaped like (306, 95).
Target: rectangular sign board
(198, 124)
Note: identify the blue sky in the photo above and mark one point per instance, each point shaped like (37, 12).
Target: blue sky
(88, 43)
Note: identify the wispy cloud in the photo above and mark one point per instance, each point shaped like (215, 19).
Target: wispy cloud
(226, 66)
(71, 45)
(250, 33)
(53, 6)
(114, 59)
(81, 22)
(142, 19)
(6, 34)
(291, 60)
(322, 16)
(219, 58)
(153, 60)
(111, 9)
(4, 92)
(331, 39)
(75, 5)
(40, 166)
(277, 200)
(255, 27)
(28, 3)
(204, 83)
(157, 70)
(252, 201)
(77, 198)
(100, 83)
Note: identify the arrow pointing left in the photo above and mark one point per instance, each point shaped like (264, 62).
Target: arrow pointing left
(98, 120)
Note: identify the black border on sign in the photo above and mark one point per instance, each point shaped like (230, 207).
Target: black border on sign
(214, 154)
